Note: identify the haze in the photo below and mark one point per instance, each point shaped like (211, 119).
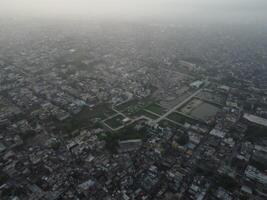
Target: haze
(177, 10)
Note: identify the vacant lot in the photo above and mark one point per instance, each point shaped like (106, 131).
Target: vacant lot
(199, 109)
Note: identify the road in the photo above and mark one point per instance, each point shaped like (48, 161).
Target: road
(133, 121)
(178, 106)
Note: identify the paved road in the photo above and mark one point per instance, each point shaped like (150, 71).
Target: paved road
(178, 106)
(133, 121)
(119, 112)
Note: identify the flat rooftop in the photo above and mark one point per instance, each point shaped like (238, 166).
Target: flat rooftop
(255, 119)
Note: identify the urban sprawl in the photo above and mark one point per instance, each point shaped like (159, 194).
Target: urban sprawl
(105, 117)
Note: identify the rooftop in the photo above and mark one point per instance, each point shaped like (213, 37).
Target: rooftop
(255, 119)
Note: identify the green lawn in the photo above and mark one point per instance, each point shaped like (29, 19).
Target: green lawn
(155, 108)
(176, 117)
(133, 107)
(115, 122)
(147, 114)
(128, 104)
(166, 123)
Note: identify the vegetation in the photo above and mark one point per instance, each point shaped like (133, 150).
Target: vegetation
(227, 182)
(83, 118)
(127, 133)
(3, 177)
(155, 108)
(128, 104)
(183, 139)
(176, 117)
(147, 114)
(115, 122)
(166, 123)
(256, 133)
(133, 107)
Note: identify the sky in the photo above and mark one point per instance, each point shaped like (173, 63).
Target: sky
(236, 10)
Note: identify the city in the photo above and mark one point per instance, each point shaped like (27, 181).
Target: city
(125, 111)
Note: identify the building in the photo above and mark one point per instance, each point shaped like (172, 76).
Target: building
(196, 84)
(130, 145)
(255, 119)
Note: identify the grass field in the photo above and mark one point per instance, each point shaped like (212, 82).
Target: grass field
(83, 118)
(155, 108)
(147, 114)
(126, 133)
(115, 122)
(181, 118)
(200, 109)
(166, 123)
(101, 111)
(176, 117)
(133, 107)
(128, 104)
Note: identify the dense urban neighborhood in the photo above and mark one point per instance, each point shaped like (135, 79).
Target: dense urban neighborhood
(131, 115)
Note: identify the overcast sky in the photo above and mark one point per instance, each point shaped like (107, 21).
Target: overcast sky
(240, 10)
